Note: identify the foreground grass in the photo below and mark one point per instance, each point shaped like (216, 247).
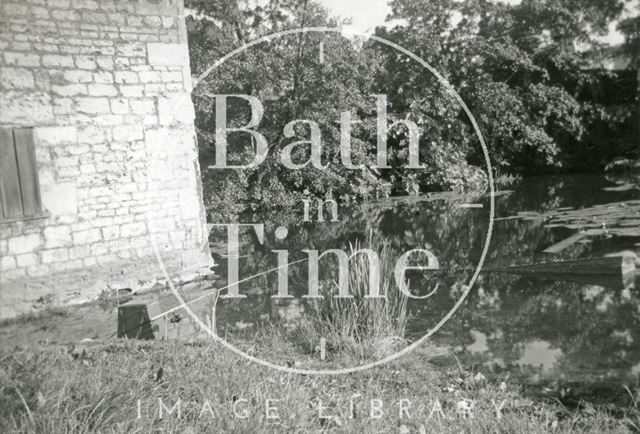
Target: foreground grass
(116, 387)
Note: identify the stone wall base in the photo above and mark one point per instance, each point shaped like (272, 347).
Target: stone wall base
(32, 295)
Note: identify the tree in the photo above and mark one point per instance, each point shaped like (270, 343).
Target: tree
(630, 27)
(525, 70)
(293, 84)
(530, 73)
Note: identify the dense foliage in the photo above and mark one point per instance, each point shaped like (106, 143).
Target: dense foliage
(531, 73)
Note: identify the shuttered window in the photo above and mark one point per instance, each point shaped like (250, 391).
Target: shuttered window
(19, 187)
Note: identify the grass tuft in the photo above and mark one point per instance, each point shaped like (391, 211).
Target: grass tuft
(361, 327)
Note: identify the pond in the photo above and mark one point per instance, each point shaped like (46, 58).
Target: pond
(559, 334)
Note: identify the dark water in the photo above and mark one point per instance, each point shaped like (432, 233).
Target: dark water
(560, 334)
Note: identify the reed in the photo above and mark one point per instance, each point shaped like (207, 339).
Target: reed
(365, 328)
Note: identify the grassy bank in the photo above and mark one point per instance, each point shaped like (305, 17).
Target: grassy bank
(116, 387)
(174, 386)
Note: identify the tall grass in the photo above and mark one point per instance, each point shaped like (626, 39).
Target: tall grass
(366, 328)
(505, 180)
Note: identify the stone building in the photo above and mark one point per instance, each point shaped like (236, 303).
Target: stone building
(97, 150)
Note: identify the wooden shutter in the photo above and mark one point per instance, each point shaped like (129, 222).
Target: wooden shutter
(19, 187)
(27, 170)
(11, 197)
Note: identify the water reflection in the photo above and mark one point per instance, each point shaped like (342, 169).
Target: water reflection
(537, 330)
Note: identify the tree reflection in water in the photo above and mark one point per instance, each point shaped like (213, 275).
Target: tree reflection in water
(539, 331)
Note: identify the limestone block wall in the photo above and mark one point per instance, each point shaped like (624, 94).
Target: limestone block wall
(106, 86)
